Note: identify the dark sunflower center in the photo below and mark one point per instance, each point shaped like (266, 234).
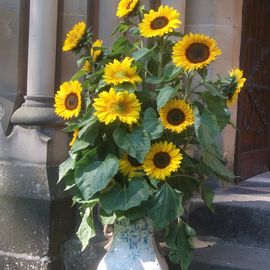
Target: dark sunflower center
(159, 22)
(121, 107)
(134, 162)
(71, 101)
(197, 53)
(175, 117)
(162, 160)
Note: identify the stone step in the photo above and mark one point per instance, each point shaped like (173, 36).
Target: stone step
(242, 214)
(216, 254)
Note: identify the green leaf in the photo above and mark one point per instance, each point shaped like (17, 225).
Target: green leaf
(206, 127)
(178, 240)
(79, 145)
(134, 213)
(152, 124)
(122, 28)
(106, 218)
(136, 143)
(207, 195)
(213, 90)
(65, 167)
(122, 46)
(217, 106)
(188, 185)
(153, 80)
(165, 95)
(69, 180)
(171, 72)
(166, 206)
(119, 198)
(87, 228)
(211, 159)
(141, 53)
(93, 177)
(89, 132)
(78, 75)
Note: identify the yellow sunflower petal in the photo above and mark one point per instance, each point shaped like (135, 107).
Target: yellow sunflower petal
(125, 7)
(176, 115)
(160, 22)
(74, 36)
(237, 74)
(68, 100)
(130, 167)
(74, 137)
(162, 159)
(119, 72)
(110, 106)
(195, 51)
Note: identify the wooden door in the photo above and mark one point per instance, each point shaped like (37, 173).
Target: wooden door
(253, 139)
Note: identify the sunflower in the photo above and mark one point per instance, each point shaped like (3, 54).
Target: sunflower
(176, 115)
(238, 83)
(160, 22)
(74, 137)
(74, 36)
(87, 66)
(195, 51)
(120, 72)
(95, 51)
(113, 105)
(129, 166)
(125, 7)
(162, 159)
(68, 100)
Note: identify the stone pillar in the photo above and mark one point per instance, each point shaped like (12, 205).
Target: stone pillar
(36, 217)
(180, 5)
(38, 105)
(221, 20)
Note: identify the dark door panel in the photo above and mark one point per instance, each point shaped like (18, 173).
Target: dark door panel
(253, 143)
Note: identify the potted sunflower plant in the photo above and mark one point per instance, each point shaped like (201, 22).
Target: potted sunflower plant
(144, 118)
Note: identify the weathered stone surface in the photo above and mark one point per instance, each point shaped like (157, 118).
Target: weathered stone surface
(230, 256)
(75, 259)
(35, 216)
(11, 261)
(25, 226)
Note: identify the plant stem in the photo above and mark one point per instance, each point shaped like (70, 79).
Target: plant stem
(160, 62)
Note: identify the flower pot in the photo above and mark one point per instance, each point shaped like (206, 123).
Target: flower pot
(133, 248)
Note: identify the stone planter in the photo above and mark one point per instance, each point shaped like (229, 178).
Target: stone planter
(133, 248)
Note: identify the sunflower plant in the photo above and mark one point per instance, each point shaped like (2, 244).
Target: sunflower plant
(144, 118)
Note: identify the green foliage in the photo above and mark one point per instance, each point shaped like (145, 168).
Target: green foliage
(87, 229)
(165, 94)
(136, 143)
(178, 239)
(166, 206)
(206, 128)
(95, 176)
(216, 164)
(124, 198)
(152, 124)
(66, 166)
